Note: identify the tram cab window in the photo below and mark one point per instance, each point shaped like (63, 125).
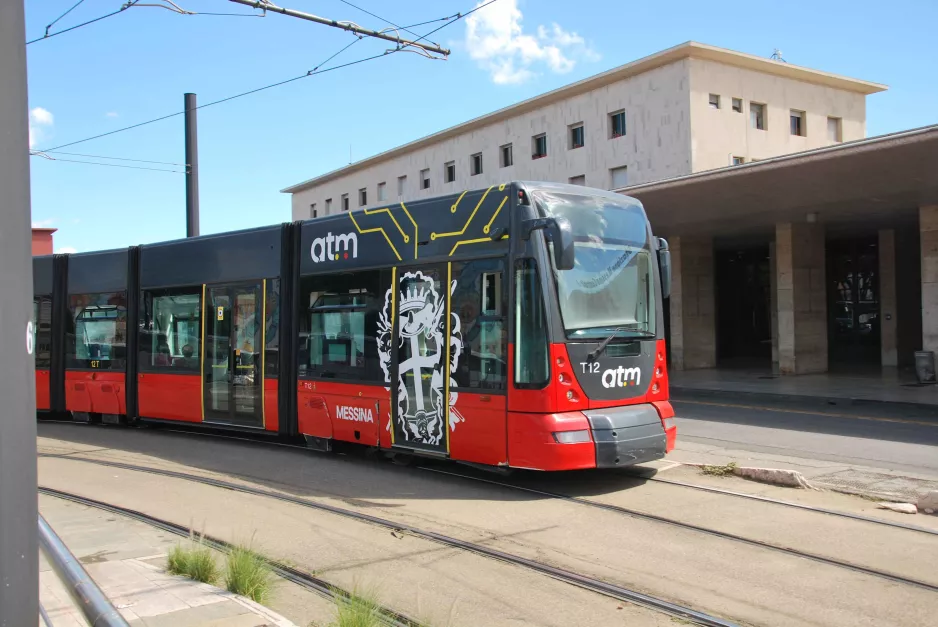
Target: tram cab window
(97, 332)
(480, 299)
(532, 366)
(337, 336)
(170, 329)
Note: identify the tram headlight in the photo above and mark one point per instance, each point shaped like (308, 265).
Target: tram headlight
(572, 437)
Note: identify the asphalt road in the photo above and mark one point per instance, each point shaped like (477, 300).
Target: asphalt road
(879, 441)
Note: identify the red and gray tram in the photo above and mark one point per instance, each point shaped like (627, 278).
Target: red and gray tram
(516, 326)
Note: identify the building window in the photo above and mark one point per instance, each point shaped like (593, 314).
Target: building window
(798, 123)
(97, 335)
(312, 210)
(507, 158)
(738, 160)
(328, 206)
(170, 329)
(617, 124)
(577, 138)
(449, 172)
(401, 185)
(425, 179)
(835, 129)
(476, 163)
(619, 177)
(714, 101)
(757, 115)
(738, 105)
(578, 180)
(539, 146)
(363, 197)
(382, 194)
(344, 202)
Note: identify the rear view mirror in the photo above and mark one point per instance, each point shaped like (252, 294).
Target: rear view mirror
(664, 267)
(559, 232)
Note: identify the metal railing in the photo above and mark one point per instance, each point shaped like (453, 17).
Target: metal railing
(87, 595)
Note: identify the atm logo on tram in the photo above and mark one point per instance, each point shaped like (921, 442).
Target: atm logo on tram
(334, 247)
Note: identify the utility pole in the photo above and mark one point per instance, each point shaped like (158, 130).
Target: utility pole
(192, 166)
(19, 551)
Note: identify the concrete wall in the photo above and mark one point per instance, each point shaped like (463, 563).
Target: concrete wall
(720, 134)
(656, 146)
(801, 298)
(693, 318)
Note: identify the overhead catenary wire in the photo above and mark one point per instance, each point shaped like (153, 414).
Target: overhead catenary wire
(79, 154)
(314, 72)
(49, 35)
(72, 8)
(112, 165)
(403, 28)
(266, 5)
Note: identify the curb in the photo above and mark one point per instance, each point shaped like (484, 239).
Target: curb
(774, 476)
(920, 410)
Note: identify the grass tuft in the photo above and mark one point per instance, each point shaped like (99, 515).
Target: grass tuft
(248, 574)
(360, 609)
(195, 562)
(719, 471)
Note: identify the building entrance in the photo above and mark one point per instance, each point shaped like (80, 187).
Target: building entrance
(743, 307)
(853, 301)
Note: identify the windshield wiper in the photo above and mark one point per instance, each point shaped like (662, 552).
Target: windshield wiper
(596, 352)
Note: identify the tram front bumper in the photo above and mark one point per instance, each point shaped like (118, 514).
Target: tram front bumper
(627, 435)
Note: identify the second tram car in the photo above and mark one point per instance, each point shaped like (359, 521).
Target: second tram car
(516, 326)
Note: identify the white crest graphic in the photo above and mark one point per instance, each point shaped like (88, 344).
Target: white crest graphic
(421, 396)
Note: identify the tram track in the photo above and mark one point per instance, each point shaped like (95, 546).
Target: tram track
(611, 590)
(705, 530)
(692, 486)
(329, 591)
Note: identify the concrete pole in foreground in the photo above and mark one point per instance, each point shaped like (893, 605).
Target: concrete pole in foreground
(19, 553)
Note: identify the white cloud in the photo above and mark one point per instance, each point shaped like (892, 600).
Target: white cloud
(43, 224)
(495, 38)
(65, 250)
(111, 114)
(39, 119)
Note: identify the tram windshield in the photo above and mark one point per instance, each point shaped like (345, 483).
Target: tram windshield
(611, 287)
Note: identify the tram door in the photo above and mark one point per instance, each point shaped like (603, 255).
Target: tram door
(231, 365)
(419, 406)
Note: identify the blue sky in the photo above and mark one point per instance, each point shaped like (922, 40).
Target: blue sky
(136, 66)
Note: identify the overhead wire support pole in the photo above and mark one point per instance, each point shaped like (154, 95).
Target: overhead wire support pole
(348, 26)
(192, 165)
(19, 555)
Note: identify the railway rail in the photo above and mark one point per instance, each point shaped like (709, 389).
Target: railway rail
(611, 590)
(388, 616)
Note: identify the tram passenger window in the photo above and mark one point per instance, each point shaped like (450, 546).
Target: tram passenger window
(272, 329)
(480, 301)
(532, 368)
(97, 332)
(337, 332)
(42, 331)
(170, 333)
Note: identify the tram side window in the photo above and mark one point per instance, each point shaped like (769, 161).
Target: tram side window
(480, 299)
(170, 329)
(97, 331)
(532, 367)
(272, 329)
(337, 334)
(42, 331)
